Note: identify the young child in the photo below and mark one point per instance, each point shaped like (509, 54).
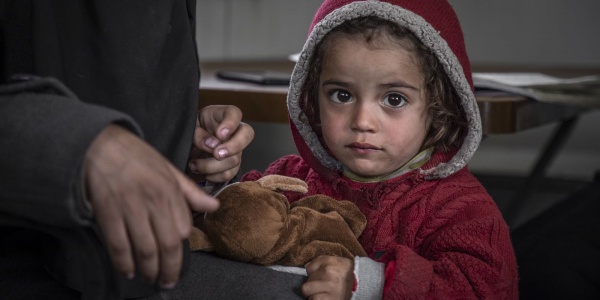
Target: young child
(383, 114)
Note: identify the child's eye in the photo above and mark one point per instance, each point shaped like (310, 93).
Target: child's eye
(394, 100)
(340, 96)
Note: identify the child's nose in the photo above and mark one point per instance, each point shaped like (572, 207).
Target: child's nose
(364, 118)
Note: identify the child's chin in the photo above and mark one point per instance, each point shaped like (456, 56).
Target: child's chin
(365, 172)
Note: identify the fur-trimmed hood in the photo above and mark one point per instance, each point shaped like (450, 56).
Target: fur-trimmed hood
(435, 23)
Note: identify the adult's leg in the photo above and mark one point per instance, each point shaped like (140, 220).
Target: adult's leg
(212, 277)
(23, 274)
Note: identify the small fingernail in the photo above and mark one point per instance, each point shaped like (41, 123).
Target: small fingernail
(192, 168)
(225, 132)
(167, 286)
(223, 153)
(211, 142)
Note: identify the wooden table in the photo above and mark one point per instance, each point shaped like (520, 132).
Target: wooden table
(499, 115)
(258, 103)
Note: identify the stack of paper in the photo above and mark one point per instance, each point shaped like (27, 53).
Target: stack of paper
(584, 91)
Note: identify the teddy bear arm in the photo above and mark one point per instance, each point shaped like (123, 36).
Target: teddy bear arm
(303, 254)
(327, 227)
(351, 214)
(292, 235)
(199, 241)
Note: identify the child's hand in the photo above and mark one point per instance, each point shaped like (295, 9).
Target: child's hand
(219, 138)
(329, 277)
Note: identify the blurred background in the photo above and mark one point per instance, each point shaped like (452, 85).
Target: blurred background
(535, 34)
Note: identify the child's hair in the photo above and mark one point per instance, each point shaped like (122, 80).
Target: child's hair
(448, 120)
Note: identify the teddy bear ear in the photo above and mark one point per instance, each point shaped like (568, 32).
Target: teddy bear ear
(199, 240)
(283, 183)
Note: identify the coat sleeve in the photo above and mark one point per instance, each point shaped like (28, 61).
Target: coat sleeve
(45, 133)
(465, 252)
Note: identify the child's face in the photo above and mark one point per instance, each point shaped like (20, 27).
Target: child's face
(372, 105)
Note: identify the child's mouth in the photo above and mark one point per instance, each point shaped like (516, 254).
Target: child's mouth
(363, 148)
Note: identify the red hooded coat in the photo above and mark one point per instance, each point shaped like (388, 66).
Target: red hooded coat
(432, 233)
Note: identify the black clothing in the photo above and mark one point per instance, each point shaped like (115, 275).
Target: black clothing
(82, 65)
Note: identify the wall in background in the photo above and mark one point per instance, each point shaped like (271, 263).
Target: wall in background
(252, 29)
(531, 33)
(534, 33)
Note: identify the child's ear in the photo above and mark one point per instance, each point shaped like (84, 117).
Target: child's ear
(429, 118)
(429, 130)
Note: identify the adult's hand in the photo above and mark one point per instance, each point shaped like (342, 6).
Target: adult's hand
(142, 205)
(219, 139)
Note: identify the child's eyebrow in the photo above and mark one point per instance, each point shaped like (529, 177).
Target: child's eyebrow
(335, 82)
(399, 84)
(395, 84)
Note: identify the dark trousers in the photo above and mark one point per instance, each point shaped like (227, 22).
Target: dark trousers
(24, 275)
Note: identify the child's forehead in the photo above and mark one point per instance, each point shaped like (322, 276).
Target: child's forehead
(361, 62)
(353, 43)
(379, 39)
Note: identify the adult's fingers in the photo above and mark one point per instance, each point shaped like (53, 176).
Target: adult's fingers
(195, 198)
(140, 202)
(169, 245)
(142, 235)
(117, 240)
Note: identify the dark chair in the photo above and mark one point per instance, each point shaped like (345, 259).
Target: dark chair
(558, 252)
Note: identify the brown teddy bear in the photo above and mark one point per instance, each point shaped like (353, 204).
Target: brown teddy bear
(255, 223)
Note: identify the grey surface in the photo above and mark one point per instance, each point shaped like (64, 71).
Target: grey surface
(206, 279)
